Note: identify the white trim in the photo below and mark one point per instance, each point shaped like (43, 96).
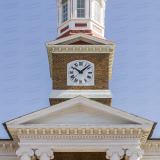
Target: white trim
(151, 157)
(9, 157)
(100, 16)
(80, 146)
(40, 126)
(83, 101)
(81, 48)
(80, 35)
(86, 7)
(84, 93)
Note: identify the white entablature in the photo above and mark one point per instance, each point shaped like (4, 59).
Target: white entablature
(81, 15)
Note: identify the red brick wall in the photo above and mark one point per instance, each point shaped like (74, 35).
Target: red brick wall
(101, 62)
(80, 156)
(106, 101)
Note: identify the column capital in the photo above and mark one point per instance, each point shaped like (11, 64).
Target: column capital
(20, 152)
(110, 153)
(48, 152)
(138, 152)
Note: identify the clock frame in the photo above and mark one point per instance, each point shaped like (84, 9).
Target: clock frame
(80, 73)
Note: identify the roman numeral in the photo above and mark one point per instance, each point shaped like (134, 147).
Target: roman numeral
(89, 77)
(89, 72)
(71, 72)
(85, 80)
(76, 80)
(80, 63)
(72, 77)
(76, 65)
(80, 81)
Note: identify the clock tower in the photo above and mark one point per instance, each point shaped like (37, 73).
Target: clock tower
(80, 59)
(80, 123)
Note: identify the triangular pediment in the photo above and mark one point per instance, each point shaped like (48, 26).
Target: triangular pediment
(88, 39)
(80, 114)
(80, 111)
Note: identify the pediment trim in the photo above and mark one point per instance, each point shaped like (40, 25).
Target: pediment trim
(80, 101)
(79, 36)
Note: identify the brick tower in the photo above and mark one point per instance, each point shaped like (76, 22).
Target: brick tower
(81, 59)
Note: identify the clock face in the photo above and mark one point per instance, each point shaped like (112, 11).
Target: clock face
(80, 72)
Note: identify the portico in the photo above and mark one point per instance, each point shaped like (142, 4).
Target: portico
(88, 126)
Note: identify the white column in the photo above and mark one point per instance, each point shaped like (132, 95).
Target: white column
(44, 154)
(134, 154)
(114, 154)
(25, 154)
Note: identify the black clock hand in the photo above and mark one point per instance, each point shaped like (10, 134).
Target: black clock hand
(84, 69)
(77, 70)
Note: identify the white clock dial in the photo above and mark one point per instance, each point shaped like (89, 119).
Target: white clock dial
(80, 72)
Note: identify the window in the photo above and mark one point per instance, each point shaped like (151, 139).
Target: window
(80, 8)
(64, 10)
(97, 12)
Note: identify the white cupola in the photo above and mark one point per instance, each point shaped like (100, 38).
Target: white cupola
(85, 16)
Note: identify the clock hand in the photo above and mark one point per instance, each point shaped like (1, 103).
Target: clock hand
(77, 70)
(84, 69)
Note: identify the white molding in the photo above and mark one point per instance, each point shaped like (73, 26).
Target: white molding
(81, 49)
(80, 137)
(78, 126)
(151, 146)
(8, 157)
(152, 157)
(83, 101)
(84, 93)
(78, 147)
(77, 36)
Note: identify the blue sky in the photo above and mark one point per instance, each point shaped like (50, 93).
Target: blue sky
(24, 70)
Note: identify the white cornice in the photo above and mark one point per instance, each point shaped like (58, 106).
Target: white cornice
(57, 41)
(151, 146)
(81, 49)
(127, 126)
(84, 93)
(9, 157)
(151, 157)
(83, 101)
